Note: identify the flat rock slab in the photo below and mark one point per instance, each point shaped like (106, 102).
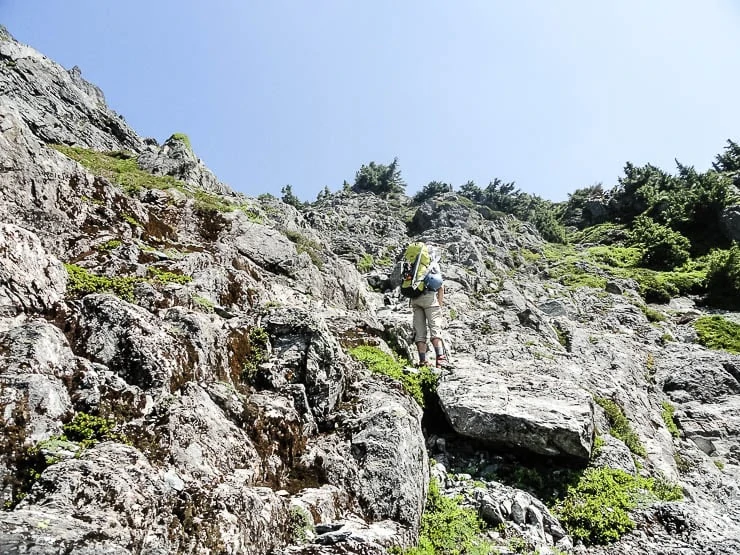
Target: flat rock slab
(520, 409)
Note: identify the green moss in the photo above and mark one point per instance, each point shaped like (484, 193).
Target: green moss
(716, 332)
(82, 282)
(620, 426)
(667, 415)
(447, 527)
(163, 276)
(182, 137)
(420, 386)
(719, 464)
(110, 245)
(606, 233)
(366, 263)
(530, 256)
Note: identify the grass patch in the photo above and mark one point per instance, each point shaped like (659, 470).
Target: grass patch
(420, 386)
(667, 414)
(119, 167)
(620, 426)
(448, 528)
(716, 332)
(181, 137)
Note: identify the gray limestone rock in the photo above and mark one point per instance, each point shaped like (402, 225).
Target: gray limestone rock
(518, 409)
(31, 280)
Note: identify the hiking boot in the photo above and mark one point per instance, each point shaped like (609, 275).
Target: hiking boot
(424, 364)
(442, 362)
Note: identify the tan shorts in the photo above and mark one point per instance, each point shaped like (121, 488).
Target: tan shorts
(427, 313)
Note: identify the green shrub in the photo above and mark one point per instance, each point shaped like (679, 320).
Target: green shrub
(448, 528)
(88, 430)
(163, 276)
(620, 426)
(663, 248)
(420, 386)
(667, 415)
(257, 354)
(596, 510)
(716, 332)
(366, 263)
(723, 278)
(82, 282)
(300, 523)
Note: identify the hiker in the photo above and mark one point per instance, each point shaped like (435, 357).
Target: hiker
(423, 284)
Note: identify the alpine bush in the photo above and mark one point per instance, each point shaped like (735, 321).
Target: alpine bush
(448, 528)
(663, 248)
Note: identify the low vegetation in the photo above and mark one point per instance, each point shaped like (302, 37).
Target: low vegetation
(596, 509)
(716, 332)
(119, 167)
(448, 527)
(666, 413)
(309, 246)
(620, 426)
(83, 282)
(420, 385)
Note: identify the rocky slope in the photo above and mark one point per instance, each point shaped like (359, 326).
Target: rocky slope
(183, 384)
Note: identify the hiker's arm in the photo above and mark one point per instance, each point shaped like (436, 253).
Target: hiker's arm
(441, 295)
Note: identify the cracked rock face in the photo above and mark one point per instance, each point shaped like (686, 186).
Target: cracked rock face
(208, 349)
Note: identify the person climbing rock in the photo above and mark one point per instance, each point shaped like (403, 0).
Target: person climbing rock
(424, 286)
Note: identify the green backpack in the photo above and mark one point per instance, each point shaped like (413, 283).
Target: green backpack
(416, 262)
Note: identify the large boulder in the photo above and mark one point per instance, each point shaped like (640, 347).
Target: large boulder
(519, 409)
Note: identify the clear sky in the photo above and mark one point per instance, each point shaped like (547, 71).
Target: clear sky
(554, 95)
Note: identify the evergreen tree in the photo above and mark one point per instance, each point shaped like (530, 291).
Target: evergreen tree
(379, 179)
(289, 198)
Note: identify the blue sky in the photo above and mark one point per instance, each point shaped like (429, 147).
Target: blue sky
(552, 95)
